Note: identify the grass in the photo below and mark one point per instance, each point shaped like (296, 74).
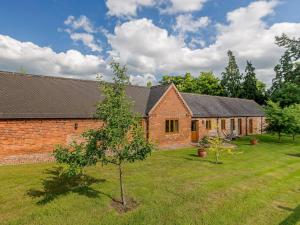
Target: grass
(259, 186)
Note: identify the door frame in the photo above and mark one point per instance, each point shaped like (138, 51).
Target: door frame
(194, 130)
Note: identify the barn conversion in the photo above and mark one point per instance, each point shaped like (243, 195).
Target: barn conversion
(38, 112)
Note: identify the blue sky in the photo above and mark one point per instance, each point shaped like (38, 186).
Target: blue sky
(152, 37)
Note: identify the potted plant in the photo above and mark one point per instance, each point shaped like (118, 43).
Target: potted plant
(253, 141)
(203, 144)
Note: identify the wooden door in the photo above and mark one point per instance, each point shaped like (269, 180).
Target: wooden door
(251, 126)
(194, 131)
(240, 127)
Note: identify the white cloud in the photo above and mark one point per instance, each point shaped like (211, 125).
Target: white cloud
(126, 7)
(184, 6)
(186, 23)
(146, 48)
(149, 50)
(15, 54)
(143, 79)
(81, 22)
(129, 8)
(87, 35)
(143, 46)
(87, 40)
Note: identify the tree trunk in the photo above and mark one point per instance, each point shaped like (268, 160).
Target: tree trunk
(123, 201)
(217, 157)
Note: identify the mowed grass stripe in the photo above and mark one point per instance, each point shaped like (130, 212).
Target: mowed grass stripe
(172, 187)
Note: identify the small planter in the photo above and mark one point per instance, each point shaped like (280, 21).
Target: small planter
(253, 141)
(202, 153)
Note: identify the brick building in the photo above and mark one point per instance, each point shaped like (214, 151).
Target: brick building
(38, 112)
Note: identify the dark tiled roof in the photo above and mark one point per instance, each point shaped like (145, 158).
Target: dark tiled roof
(215, 106)
(155, 94)
(33, 96)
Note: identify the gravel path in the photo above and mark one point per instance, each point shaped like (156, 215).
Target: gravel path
(26, 159)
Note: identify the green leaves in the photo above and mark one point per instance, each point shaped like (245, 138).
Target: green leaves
(120, 139)
(217, 147)
(251, 87)
(283, 120)
(286, 84)
(73, 156)
(206, 83)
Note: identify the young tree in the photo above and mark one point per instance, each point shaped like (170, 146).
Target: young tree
(231, 78)
(293, 113)
(217, 147)
(121, 139)
(278, 120)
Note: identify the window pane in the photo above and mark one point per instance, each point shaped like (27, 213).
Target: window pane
(194, 124)
(171, 125)
(223, 124)
(167, 126)
(176, 126)
(232, 124)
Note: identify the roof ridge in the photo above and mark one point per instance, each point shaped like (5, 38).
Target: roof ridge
(217, 96)
(30, 75)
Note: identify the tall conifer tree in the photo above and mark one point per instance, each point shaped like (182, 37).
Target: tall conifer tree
(231, 78)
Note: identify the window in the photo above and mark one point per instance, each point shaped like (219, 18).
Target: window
(208, 124)
(194, 125)
(223, 124)
(172, 126)
(232, 122)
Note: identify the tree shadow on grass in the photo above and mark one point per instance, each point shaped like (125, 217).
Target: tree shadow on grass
(293, 218)
(195, 157)
(58, 184)
(293, 154)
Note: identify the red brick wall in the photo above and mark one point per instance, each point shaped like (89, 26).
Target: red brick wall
(171, 106)
(33, 136)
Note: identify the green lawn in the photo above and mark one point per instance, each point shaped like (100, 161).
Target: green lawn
(259, 186)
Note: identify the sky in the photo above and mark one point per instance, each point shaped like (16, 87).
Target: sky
(78, 39)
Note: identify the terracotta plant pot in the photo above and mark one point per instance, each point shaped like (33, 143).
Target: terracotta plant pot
(253, 142)
(202, 153)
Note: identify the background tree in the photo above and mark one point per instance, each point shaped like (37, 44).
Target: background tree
(288, 94)
(287, 72)
(208, 84)
(278, 120)
(262, 93)
(231, 78)
(183, 83)
(121, 139)
(251, 87)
